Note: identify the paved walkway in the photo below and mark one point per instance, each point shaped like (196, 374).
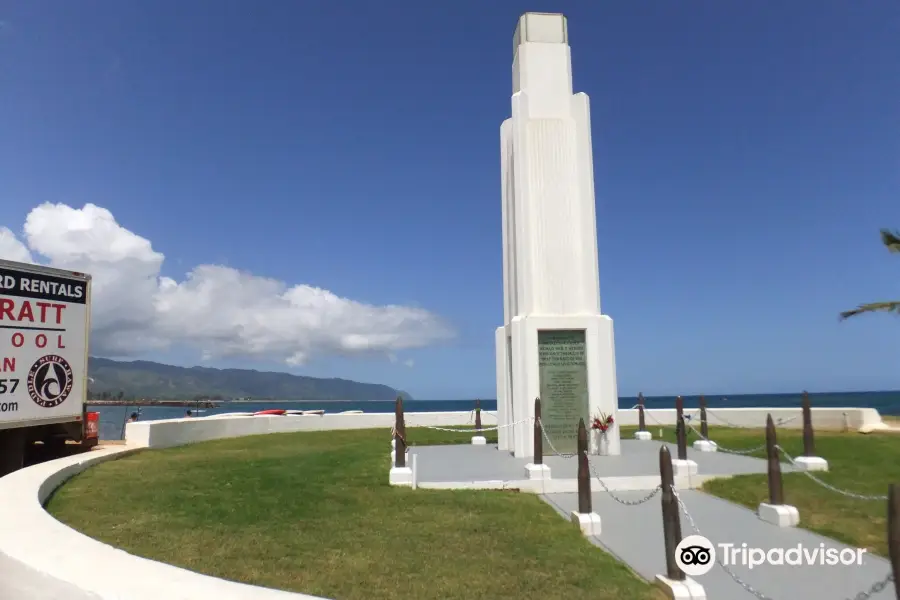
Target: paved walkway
(637, 466)
(634, 535)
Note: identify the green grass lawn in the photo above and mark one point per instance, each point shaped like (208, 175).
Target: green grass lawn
(313, 512)
(865, 464)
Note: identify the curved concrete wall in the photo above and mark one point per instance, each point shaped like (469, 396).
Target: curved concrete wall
(42, 559)
(175, 432)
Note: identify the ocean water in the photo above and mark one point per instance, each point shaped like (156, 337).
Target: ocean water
(112, 418)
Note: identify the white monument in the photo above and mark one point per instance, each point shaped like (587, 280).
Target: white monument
(556, 344)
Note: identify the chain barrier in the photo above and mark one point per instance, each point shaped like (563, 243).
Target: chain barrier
(622, 501)
(873, 589)
(721, 448)
(597, 477)
(828, 486)
(472, 429)
(731, 573)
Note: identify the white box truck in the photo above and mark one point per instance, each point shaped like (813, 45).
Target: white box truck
(45, 319)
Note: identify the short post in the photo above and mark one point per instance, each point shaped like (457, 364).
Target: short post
(893, 533)
(679, 409)
(478, 440)
(809, 461)
(682, 466)
(642, 433)
(674, 582)
(586, 519)
(705, 444)
(776, 511)
(400, 474)
(536, 469)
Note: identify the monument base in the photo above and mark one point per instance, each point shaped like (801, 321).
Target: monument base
(537, 472)
(810, 463)
(680, 468)
(705, 446)
(589, 523)
(394, 457)
(478, 440)
(644, 436)
(686, 589)
(402, 476)
(780, 515)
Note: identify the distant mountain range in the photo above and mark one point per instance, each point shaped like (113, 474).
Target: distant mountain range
(145, 379)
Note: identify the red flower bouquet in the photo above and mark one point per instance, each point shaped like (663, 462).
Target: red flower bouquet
(602, 423)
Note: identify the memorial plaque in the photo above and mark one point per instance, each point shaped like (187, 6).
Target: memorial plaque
(562, 362)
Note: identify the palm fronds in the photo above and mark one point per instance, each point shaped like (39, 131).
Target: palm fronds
(889, 307)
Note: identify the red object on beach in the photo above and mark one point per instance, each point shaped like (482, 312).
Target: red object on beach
(271, 411)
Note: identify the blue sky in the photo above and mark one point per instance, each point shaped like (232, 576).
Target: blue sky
(746, 155)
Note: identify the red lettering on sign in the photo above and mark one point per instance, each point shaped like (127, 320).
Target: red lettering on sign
(9, 365)
(59, 343)
(6, 308)
(18, 340)
(40, 340)
(25, 312)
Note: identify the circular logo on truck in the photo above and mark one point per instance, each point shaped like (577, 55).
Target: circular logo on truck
(50, 381)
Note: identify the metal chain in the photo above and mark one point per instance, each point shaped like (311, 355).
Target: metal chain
(552, 447)
(781, 422)
(731, 573)
(622, 501)
(828, 485)
(875, 588)
(473, 430)
(728, 450)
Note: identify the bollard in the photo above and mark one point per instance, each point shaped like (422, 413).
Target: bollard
(587, 520)
(682, 438)
(642, 425)
(776, 485)
(478, 439)
(776, 511)
(893, 533)
(399, 434)
(704, 426)
(704, 444)
(642, 433)
(536, 469)
(477, 414)
(584, 471)
(670, 514)
(809, 442)
(679, 409)
(400, 473)
(809, 461)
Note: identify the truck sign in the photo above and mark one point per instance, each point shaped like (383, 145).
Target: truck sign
(44, 328)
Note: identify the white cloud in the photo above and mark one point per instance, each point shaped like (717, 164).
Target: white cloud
(220, 311)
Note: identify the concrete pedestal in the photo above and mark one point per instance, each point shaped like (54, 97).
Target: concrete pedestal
(705, 446)
(588, 523)
(780, 515)
(681, 468)
(810, 463)
(686, 589)
(537, 472)
(401, 476)
(478, 440)
(644, 436)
